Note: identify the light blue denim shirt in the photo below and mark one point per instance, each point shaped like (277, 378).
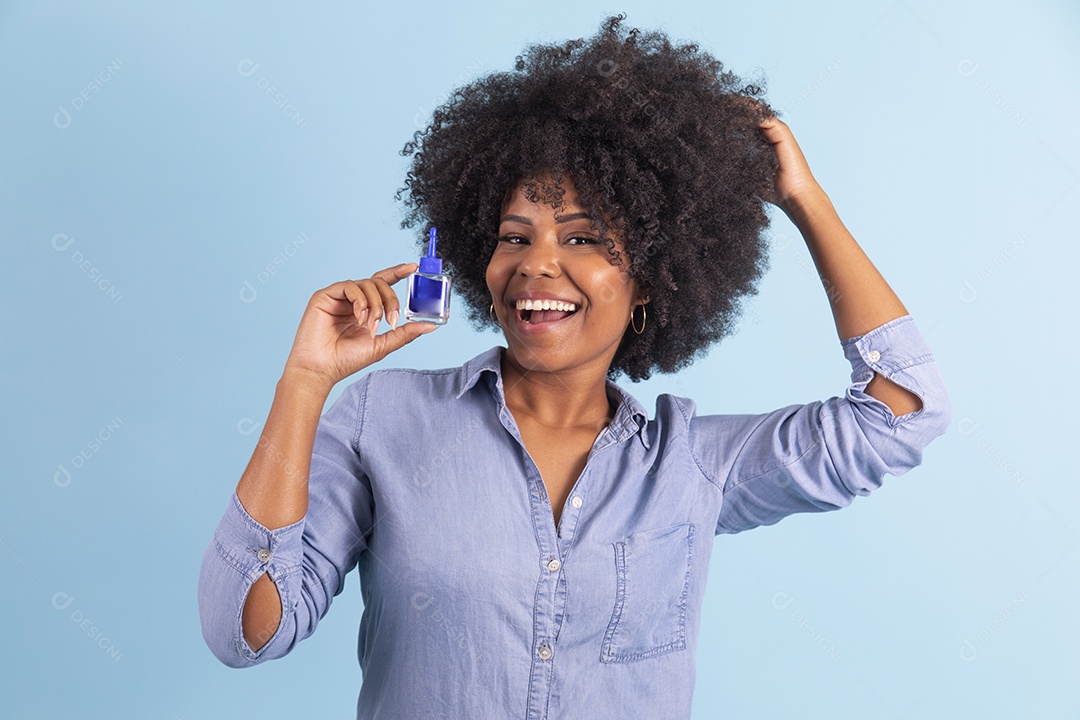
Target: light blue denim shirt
(475, 605)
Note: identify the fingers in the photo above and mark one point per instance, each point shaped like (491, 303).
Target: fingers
(350, 291)
(397, 338)
(775, 129)
(388, 298)
(397, 272)
(373, 303)
(382, 300)
(368, 300)
(384, 279)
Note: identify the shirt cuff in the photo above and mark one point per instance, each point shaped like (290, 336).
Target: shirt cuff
(250, 549)
(896, 351)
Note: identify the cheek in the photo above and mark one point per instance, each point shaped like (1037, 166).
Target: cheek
(496, 276)
(612, 292)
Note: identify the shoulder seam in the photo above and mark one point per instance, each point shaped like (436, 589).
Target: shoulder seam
(690, 446)
(361, 409)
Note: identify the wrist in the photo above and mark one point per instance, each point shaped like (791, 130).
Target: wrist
(305, 381)
(802, 209)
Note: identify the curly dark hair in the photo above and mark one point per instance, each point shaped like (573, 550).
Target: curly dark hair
(663, 147)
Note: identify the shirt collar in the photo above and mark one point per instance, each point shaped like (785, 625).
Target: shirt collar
(630, 417)
(471, 370)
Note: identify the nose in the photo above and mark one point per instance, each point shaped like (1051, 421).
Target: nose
(540, 258)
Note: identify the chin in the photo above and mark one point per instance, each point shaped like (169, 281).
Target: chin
(533, 360)
(553, 359)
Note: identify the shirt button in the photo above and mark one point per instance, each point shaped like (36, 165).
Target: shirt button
(264, 555)
(576, 501)
(873, 355)
(554, 565)
(544, 652)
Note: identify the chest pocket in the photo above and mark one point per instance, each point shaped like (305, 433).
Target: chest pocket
(652, 586)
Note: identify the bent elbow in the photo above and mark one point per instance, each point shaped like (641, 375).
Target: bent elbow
(222, 591)
(935, 417)
(230, 658)
(913, 437)
(941, 418)
(221, 641)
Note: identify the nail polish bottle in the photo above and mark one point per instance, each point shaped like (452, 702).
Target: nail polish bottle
(429, 289)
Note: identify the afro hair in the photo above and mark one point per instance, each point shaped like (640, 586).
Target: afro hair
(662, 144)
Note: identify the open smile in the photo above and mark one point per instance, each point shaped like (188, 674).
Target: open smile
(535, 316)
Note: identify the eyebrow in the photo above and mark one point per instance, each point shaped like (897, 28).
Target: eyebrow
(563, 219)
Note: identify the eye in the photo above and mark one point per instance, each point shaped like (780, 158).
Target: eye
(585, 240)
(512, 239)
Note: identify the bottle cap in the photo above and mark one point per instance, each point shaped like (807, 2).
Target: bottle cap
(429, 263)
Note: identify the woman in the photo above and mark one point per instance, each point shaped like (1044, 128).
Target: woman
(530, 543)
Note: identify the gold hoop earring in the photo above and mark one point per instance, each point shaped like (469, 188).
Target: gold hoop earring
(491, 313)
(644, 316)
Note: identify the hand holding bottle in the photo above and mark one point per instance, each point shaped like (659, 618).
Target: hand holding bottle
(337, 334)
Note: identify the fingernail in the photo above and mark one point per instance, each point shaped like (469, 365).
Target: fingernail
(363, 316)
(393, 318)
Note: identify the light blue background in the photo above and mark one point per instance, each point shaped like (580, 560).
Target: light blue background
(944, 133)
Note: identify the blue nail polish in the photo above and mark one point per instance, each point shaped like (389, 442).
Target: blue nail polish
(429, 289)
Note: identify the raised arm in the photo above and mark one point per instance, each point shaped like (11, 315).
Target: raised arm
(861, 300)
(821, 455)
(299, 517)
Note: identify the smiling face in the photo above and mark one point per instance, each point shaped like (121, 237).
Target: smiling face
(561, 303)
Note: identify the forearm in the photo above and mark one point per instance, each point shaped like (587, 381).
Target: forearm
(860, 298)
(274, 486)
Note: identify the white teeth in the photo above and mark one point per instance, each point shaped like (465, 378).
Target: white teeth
(545, 305)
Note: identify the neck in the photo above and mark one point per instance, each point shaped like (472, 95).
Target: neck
(561, 399)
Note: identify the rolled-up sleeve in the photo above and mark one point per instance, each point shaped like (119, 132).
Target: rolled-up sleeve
(819, 456)
(308, 560)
